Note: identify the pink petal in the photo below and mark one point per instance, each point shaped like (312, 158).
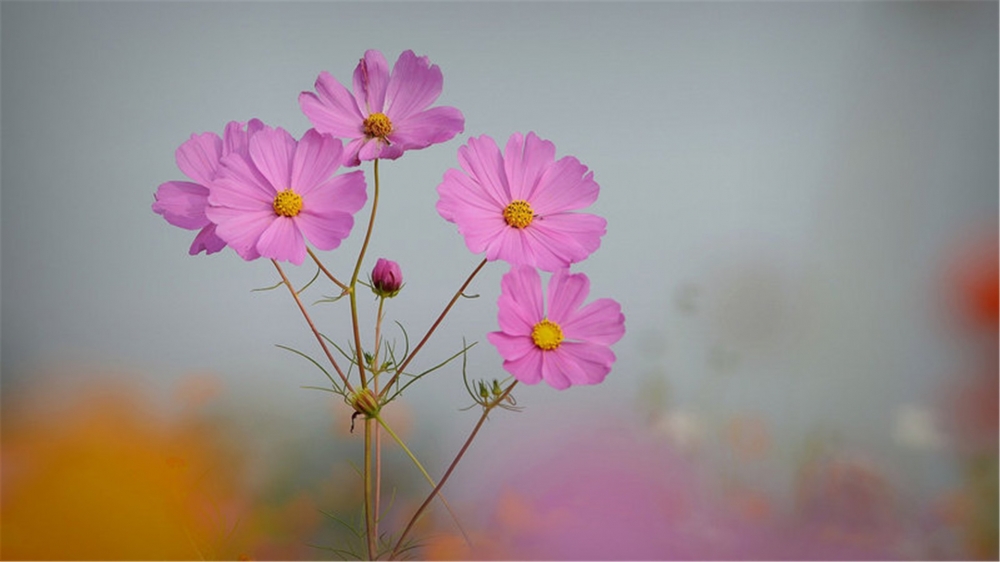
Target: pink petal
(566, 238)
(482, 161)
(459, 193)
(374, 148)
(513, 246)
(415, 84)
(208, 241)
(566, 293)
(332, 109)
(272, 151)
(515, 318)
(564, 186)
(482, 232)
(579, 363)
(282, 241)
(236, 138)
(525, 161)
(554, 370)
(550, 249)
(241, 229)
(325, 231)
(352, 150)
(345, 193)
(600, 322)
(527, 369)
(520, 303)
(511, 347)
(241, 186)
(420, 130)
(199, 157)
(182, 204)
(316, 158)
(371, 78)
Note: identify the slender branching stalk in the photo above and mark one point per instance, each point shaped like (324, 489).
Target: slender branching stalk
(323, 268)
(319, 338)
(370, 523)
(433, 327)
(376, 369)
(427, 476)
(451, 468)
(354, 282)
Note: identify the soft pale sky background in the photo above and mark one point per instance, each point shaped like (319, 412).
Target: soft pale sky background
(783, 183)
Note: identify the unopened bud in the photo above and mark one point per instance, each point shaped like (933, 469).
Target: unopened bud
(497, 391)
(483, 392)
(387, 278)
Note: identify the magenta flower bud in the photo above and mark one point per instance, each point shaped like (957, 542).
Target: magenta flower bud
(387, 279)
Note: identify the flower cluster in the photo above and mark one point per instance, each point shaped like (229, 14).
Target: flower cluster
(521, 207)
(263, 193)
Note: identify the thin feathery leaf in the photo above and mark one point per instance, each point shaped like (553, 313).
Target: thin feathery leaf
(349, 356)
(353, 530)
(306, 286)
(406, 341)
(327, 299)
(272, 287)
(314, 362)
(417, 377)
(465, 377)
(324, 389)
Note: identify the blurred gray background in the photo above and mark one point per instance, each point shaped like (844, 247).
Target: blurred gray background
(783, 184)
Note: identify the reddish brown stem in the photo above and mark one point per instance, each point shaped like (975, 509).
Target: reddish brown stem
(451, 468)
(319, 338)
(403, 365)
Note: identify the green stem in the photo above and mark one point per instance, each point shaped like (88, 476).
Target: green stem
(486, 411)
(378, 428)
(370, 523)
(427, 476)
(354, 283)
(402, 367)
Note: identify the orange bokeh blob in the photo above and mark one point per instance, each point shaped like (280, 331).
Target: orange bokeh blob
(102, 476)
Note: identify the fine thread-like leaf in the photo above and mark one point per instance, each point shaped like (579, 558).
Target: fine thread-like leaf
(314, 362)
(417, 377)
(406, 340)
(354, 531)
(327, 299)
(272, 287)
(322, 388)
(306, 286)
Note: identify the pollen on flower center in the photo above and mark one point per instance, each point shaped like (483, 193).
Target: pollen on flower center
(547, 335)
(377, 125)
(287, 203)
(519, 213)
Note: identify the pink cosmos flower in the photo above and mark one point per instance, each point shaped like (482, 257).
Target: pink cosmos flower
(183, 203)
(387, 114)
(517, 206)
(567, 345)
(269, 202)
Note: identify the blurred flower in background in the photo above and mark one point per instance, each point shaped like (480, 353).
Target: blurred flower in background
(101, 474)
(99, 469)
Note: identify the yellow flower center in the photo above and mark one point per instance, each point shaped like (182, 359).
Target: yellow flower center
(547, 335)
(287, 203)
(519, 213)
(377, 125)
